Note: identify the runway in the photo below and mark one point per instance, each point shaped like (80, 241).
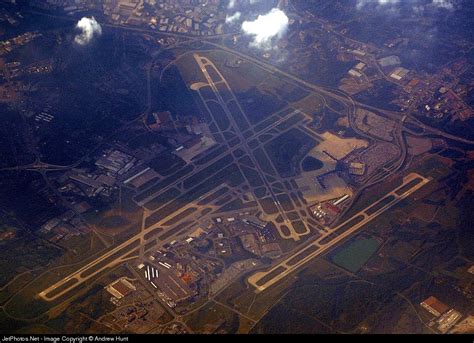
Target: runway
(265, 279)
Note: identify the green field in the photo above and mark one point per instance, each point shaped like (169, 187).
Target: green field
(356, 254)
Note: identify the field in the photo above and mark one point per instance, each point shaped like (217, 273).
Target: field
(354, 255)
(287, 150)
(211, 317)
(120, 219)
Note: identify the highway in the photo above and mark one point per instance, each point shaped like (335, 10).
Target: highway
(338, 94)
(130, 249)
(332, 92)
(122, 252)
(328, 91)
(262, 280)
(117, 255)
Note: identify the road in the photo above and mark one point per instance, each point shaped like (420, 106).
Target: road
(78, 276)
(332, 92)
(262, 280)
(122, 252)
(338, 94)
(117, 255)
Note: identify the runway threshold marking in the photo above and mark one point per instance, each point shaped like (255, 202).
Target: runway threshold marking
(265, 279)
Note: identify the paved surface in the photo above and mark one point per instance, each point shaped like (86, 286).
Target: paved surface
(263, 280)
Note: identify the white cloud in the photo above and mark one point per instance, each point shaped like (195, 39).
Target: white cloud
(89, 28)
(416, 4)
(363, 3)
(266, 27)
(232, 18)
(446, 4)
(233, 3)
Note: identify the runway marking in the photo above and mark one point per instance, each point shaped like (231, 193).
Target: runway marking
(265, 279)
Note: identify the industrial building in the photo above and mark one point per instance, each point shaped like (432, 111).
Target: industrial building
(357, 168)
(169, 285)
(360, 66)
(115, 162)
(120, 288)
(399, 73)
(434, 306)
(448, 320)
(354, 73)
(471, 269)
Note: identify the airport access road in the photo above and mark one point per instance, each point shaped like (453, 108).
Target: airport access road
(262, 280)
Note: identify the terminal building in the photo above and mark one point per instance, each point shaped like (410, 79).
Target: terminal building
(172, 286)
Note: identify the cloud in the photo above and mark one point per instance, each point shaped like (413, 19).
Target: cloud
(446, 4)
(232, 18)
(266, 27)
(89, 28)
(416, 4)
(363, 3)
(233, 3)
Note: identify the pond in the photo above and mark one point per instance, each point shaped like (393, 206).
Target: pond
(310, 164)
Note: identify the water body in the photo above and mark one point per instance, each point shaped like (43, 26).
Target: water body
(310, 164)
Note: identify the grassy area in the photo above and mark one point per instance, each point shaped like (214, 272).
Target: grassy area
(243, 298)
(430, 167)
(26, 303)
(287, 150)
(15, 286)
(114, 221)
(120, 220)
(355, 254)
(78, 248)
(372, 194)
(91, 304)
(37, 329)
(263, 161)
(8, 325)
(23, 253)
(212, 316)
(166, 163)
